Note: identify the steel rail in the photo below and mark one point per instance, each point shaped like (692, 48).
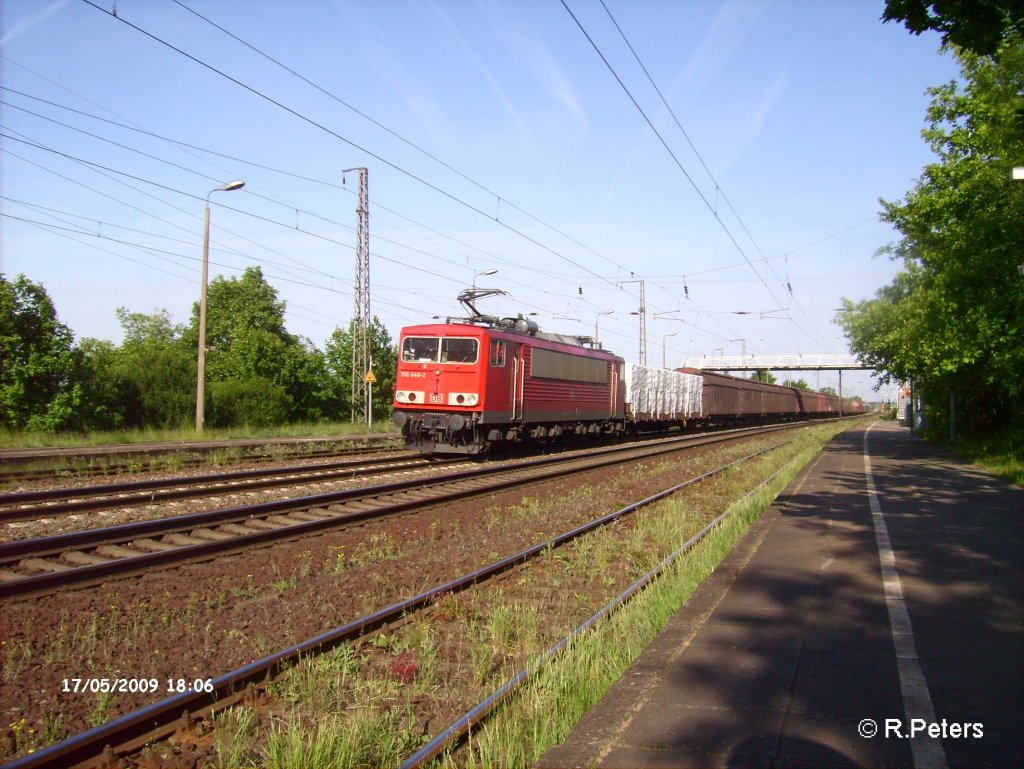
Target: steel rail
(138, 728)
(77, 499)
(517, 474)
(461, 726)
(15, 459)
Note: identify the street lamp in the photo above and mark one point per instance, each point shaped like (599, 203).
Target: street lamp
(597, 317)
(476, 275)
(201, 374)
(1018, 176)
(664, 349)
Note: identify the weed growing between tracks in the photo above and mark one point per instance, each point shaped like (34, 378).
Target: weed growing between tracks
(373, 703)
(202, 620)
(543, 712)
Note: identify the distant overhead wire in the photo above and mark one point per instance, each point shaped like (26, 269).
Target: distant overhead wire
(718, 189)
(305, 118)
(399, 136)
(411, 175)
(103, 169)
(664, 143)
(689, 178)
(301, 177)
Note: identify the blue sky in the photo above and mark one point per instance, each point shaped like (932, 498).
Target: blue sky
(495, 135)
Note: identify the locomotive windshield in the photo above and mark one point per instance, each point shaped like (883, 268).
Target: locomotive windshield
(432, 349)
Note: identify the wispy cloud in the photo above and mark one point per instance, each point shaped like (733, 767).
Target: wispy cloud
(26, 23)
(732, 25)
(482, 68)
(529, 50)
(393, 69)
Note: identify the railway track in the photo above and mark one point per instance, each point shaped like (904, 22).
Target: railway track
(44, 565)
(130, 732)
(106, 460)
(47, 503)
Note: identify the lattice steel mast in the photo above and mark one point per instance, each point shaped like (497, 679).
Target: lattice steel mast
(362, 363)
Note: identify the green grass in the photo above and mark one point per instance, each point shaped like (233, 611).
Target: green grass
(365, 704)
(543, 711)
(12, 439)
(1000, 454)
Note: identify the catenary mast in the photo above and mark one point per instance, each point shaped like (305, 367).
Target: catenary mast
(362, 363)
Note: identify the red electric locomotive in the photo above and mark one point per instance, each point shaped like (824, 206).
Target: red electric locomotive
(462, 386)
(470, 383)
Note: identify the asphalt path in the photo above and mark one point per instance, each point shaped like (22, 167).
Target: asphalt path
(873, 617)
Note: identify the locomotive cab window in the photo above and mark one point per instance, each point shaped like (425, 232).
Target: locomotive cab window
(458, 350)
(420, 349)
(431, 349)
(497, 353)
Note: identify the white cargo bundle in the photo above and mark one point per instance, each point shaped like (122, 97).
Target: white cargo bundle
(661, 394)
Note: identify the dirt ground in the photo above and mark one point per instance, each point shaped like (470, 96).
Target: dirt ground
(201, 620)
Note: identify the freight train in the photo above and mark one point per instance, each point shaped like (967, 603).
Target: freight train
(468, 385)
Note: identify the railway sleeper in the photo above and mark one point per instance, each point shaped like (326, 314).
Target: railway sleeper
(234, 528)
(262, 524)
(353, 507)
(151, 545)
(183, 540)
(78, 558)
(311, 515)
(36, 565)
(282, 520)
(10, 576)
(415, 496)
(116, 551)
(210, 535)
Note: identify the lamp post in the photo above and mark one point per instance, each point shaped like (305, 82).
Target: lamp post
(201, 374)
(1018, 176)
(476, 275)
(643, 319)
(597, 317)
(664, 348)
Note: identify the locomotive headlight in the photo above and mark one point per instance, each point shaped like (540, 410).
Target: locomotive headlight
(410, 396)
(463, 399)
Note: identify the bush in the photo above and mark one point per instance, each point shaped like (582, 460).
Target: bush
(253, 402)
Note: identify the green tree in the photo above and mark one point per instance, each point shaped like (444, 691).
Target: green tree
(105, 394)
(307, 384)
(261, 373)
(763, 375)
(338, 361)
(798, 384)
(156, 366)
(39, 388)
(952, 318)
(245, 330)
(247, 346)
(974, 25)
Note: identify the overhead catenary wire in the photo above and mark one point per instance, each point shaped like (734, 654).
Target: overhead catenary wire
(316, 124)
(378, 205)
(708, 204)
(401, 245)
(472, 256)
(499, 199)
(504, 224)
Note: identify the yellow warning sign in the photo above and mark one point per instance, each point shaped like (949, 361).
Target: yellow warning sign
(369, 377)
